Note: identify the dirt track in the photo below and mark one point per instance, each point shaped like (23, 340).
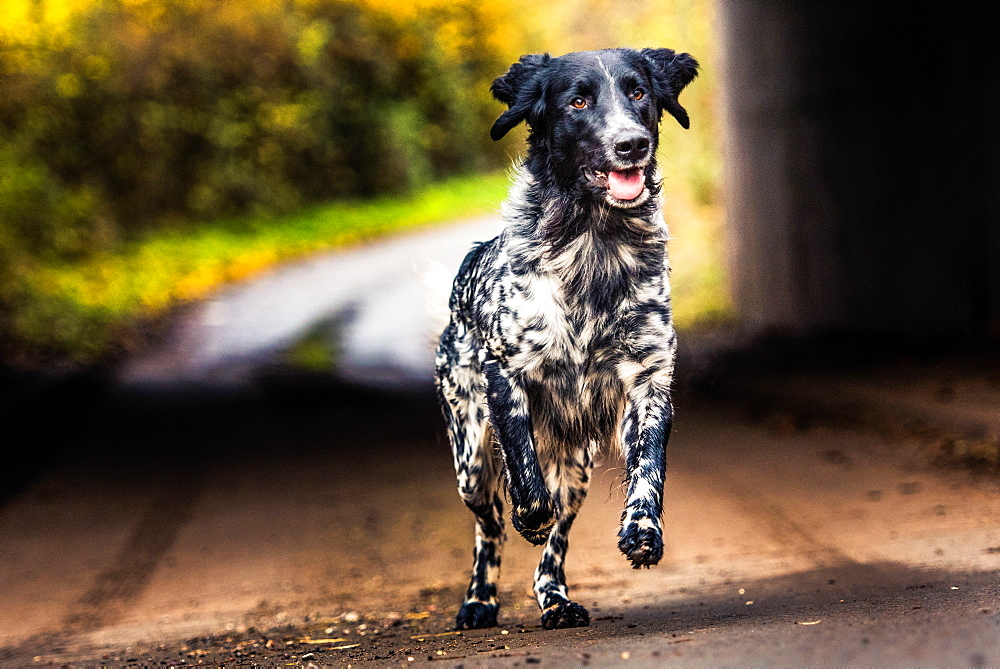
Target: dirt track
(258, 532)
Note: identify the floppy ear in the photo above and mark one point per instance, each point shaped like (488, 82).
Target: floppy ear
(521, 89)
(670, 72)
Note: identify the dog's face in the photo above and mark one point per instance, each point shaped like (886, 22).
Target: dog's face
(596, 114)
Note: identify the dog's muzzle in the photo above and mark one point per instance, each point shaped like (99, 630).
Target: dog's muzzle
(624, 188)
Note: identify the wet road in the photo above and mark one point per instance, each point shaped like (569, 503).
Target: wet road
(311, 513)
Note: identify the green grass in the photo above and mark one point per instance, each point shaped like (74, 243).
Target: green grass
(84, 311)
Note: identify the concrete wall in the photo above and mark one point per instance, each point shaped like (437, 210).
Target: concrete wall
(863, 166)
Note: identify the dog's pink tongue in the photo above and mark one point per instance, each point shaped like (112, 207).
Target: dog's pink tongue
(625, 185)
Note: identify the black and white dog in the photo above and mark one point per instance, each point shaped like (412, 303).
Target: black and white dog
(561, 340)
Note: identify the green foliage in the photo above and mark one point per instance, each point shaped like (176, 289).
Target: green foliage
(207, 109)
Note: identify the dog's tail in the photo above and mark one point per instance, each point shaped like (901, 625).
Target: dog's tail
(437, 282)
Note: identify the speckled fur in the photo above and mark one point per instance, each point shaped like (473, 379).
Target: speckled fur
(560, 342)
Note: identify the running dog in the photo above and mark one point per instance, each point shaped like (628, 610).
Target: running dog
(560, 340)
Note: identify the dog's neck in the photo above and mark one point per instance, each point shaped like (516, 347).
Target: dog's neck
(595, 250)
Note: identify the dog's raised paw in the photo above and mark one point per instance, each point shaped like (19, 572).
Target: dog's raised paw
(565, 614)
(535, 525)
(643, 545)
(476, 615)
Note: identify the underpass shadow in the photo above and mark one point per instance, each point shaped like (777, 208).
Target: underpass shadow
(725, 623)
(804, 596)
(87, 421)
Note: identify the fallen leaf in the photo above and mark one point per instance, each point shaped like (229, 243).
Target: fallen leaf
(428, 636)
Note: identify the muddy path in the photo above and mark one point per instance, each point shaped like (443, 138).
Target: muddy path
(313, 524)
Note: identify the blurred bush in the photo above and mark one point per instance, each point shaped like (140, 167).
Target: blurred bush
(129, 113)
(122, 116)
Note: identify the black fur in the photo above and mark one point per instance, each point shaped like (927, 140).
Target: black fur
(561, 340)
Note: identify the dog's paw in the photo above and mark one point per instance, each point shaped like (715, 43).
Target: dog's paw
(642, 542)
(565, 614)
(534, 525)
(476, 615)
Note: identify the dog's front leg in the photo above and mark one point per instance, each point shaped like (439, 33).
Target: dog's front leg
(645, 430)
(533, 514)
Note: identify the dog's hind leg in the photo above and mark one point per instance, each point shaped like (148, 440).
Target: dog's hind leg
(534, 512)
(463, 403)
(479, 607)
(570, 479)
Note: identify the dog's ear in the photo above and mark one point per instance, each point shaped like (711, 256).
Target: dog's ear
(670, 72)
(521, 90)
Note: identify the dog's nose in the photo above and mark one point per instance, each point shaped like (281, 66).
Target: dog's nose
(632, 147)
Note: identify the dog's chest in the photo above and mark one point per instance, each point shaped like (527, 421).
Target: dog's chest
(548, 330)
(568, 313)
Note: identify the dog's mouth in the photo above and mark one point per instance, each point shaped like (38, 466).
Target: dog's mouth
(623, 187)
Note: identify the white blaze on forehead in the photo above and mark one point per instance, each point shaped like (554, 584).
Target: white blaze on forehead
(607, 72)
(618, 120)
(614, 87)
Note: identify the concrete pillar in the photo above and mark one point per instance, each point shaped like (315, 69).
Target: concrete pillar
(863, 167)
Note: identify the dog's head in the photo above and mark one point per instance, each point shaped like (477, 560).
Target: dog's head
(596, 114)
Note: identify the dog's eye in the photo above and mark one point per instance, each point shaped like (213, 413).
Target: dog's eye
(638, 94)
(578, 102)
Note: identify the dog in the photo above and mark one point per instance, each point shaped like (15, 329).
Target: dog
(560, 340)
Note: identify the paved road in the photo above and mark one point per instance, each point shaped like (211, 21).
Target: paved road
(382, 302)
(283, 521)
